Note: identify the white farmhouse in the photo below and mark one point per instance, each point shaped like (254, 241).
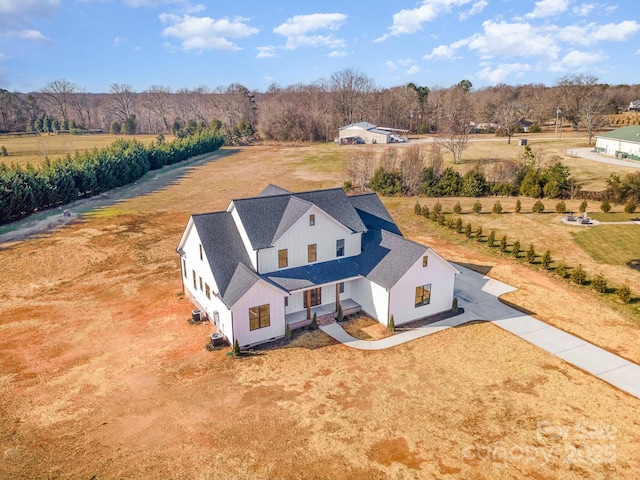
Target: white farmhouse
(623, 142)
(280, 257)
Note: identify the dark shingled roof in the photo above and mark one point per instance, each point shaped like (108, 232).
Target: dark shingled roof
(226, 254)
(271, 190)
(385, 258)
(373, 212)
(262, 217)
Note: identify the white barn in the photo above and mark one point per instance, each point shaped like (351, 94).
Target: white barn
(622, 143)
(363, 132)
(281, 257)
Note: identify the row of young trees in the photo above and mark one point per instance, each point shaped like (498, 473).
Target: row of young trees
(419, 172)
(26, 190)
(315, 111)
(514, 248)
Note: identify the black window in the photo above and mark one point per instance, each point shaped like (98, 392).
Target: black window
(340, 248)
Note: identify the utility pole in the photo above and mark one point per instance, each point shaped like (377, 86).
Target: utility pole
(558, 112)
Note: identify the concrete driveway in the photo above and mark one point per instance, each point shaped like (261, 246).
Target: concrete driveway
(478, 295)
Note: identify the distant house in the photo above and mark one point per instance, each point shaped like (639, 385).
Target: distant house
(634, 106)
(525, 125)
(365, 132)
(622, 143)
(279, 258)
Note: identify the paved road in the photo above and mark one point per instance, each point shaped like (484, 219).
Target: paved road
(589, 154)
(478, 295)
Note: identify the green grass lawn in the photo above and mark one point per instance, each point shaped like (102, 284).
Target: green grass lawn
(614, 216)
(610, 244)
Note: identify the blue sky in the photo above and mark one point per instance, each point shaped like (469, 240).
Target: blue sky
(437, 43)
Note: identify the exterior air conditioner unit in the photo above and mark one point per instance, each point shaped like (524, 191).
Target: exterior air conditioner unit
(196, 315)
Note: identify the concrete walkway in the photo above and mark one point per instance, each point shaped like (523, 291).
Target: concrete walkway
(478, 295)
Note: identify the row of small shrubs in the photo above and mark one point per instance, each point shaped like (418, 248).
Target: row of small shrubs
(538, 207)
(576, 275)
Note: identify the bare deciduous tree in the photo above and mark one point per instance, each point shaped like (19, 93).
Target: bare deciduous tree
(454, 119)
(411, 169)
(156, 99)
(351, 94)
(360, 167)
(121, 101)
(508, 116)
(58, 94)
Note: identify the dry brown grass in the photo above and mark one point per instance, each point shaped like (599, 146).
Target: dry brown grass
(365, 328)
(33, 150)
(103, 377)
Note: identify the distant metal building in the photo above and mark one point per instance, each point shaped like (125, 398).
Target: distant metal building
(622, 143)
(363, 132)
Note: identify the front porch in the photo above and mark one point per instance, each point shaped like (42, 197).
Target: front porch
(325, 314)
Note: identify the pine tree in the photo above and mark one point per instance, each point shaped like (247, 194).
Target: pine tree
(391, 326)
(518, 206)
(546, 260)
(515, 251)
(531, 254)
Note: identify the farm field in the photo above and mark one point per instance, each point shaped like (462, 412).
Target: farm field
(32, 150)
(103, 377)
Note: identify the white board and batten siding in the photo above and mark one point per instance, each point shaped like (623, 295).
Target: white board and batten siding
(439, 274)
(191, 248)
(261, 293)
(373, 298)
(324, 233)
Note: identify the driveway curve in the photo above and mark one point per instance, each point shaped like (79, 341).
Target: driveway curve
(479, 296)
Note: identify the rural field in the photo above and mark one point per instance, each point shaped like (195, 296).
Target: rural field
(34, 149)
(102, 376)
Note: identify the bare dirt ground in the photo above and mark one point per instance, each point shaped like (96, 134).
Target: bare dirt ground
(102, 376)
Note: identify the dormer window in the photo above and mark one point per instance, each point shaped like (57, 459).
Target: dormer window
(312, 220)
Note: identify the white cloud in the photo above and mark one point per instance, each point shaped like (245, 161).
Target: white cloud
(446, 52)
(476, 9)
(592, 33)
(405, 62)
(266, 52)
(119, 41)
(514, 40)
(31, 35)
(298, 29)
(338, 54)
(206, 33)
(637, 52)
(503, 71)
(408, 21)
(576, 60)
(413, 70)
(583, 10)
(548, 8)
(28, 8)
(390, 65)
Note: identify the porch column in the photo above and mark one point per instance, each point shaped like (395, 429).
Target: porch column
(337, 296)
(308, 296)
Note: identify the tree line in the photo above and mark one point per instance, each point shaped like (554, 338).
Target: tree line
(420, 171)
(58, 182)
(315, 111)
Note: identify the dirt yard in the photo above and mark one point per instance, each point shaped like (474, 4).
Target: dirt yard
(103, 377)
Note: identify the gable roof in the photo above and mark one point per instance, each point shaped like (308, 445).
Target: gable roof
(384, 259)
(363, 125)
(373, 213)
(218, 230)
(271, 190)
(629, 133)
(266, 218)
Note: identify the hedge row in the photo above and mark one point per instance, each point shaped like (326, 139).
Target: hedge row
(26, 190)
(576, 275)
